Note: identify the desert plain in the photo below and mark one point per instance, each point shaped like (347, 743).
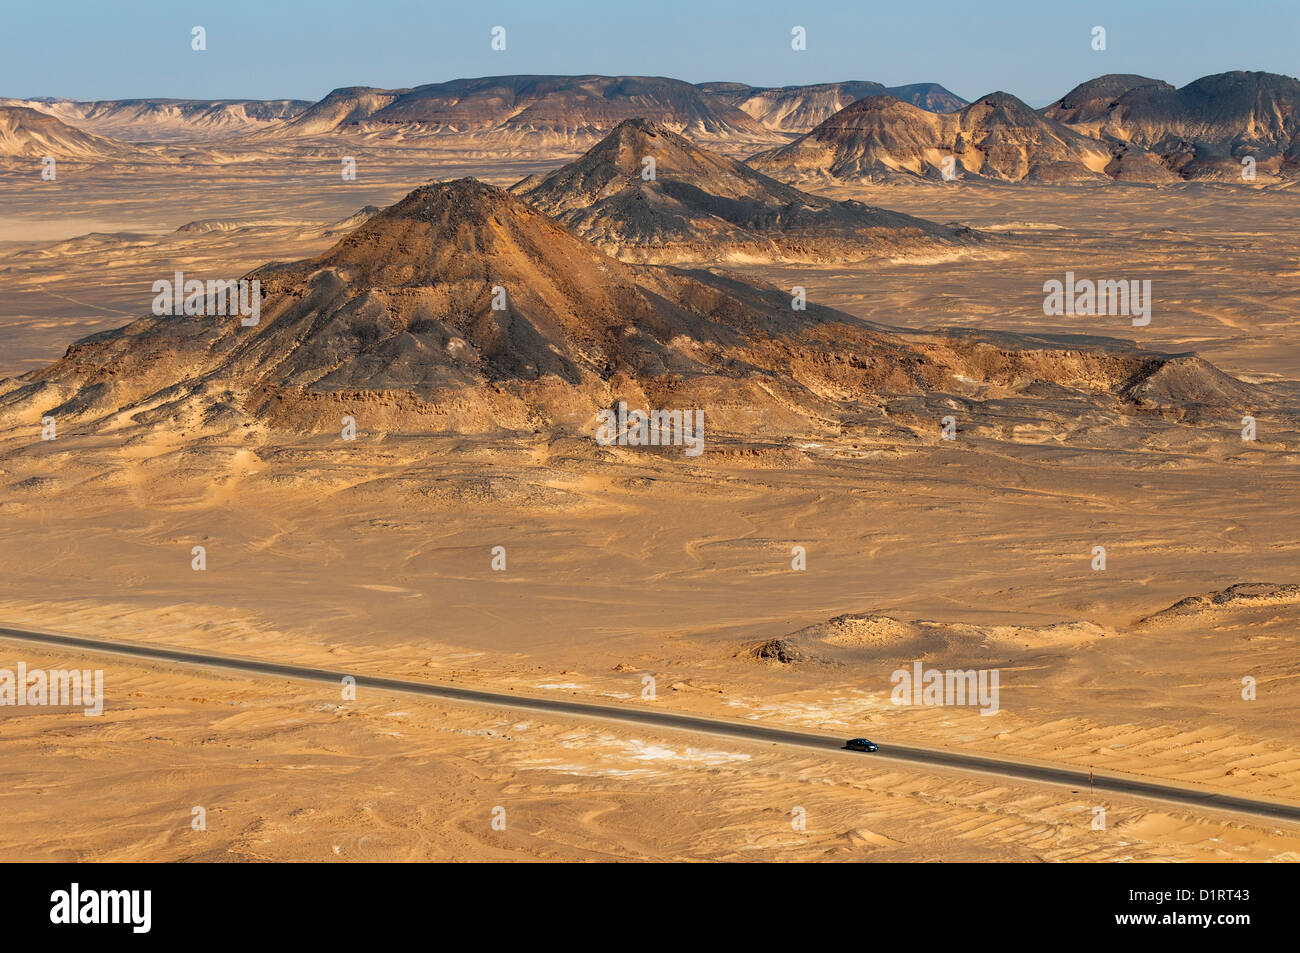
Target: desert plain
(377, 555)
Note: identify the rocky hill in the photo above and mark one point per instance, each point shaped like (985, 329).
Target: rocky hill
(997, 137)
(704, 207)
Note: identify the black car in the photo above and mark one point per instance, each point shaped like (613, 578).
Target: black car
(861, 744)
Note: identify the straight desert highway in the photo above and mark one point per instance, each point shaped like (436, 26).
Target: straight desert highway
(680, 722)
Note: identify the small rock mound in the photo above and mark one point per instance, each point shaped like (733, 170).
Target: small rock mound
(778, 650)
(1187, 386)
(863, 630)
(856, 637)
(1243, 595)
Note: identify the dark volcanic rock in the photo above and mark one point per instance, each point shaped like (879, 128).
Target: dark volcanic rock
(705, 207)
(1093, 99)
(464, 309)
(1205, 129)
(996, 137)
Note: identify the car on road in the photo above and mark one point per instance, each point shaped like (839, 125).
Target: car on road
(861, 744)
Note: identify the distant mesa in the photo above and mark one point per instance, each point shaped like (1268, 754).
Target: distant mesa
(1116, 127)
(997, 137)
(163, 120)
(797, 109)
(697, 206)
(557, 107)
(534, 111)
(206, 225)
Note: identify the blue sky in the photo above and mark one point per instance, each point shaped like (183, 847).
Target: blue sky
(93, 49)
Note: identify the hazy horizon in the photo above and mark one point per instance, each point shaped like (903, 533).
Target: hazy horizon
(301, 51)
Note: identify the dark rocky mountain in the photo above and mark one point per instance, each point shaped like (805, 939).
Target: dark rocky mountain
(397, 322)
(997, 137)
(1203, 130)
(463, 309)
(1092, 100)
(929, 96)
(704, 207)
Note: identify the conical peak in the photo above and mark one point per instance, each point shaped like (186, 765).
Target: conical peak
(468, 198)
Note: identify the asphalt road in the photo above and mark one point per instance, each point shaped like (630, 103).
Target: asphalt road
(747, 731)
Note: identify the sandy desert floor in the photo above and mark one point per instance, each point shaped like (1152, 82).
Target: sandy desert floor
(375, 556)
(284, 771)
